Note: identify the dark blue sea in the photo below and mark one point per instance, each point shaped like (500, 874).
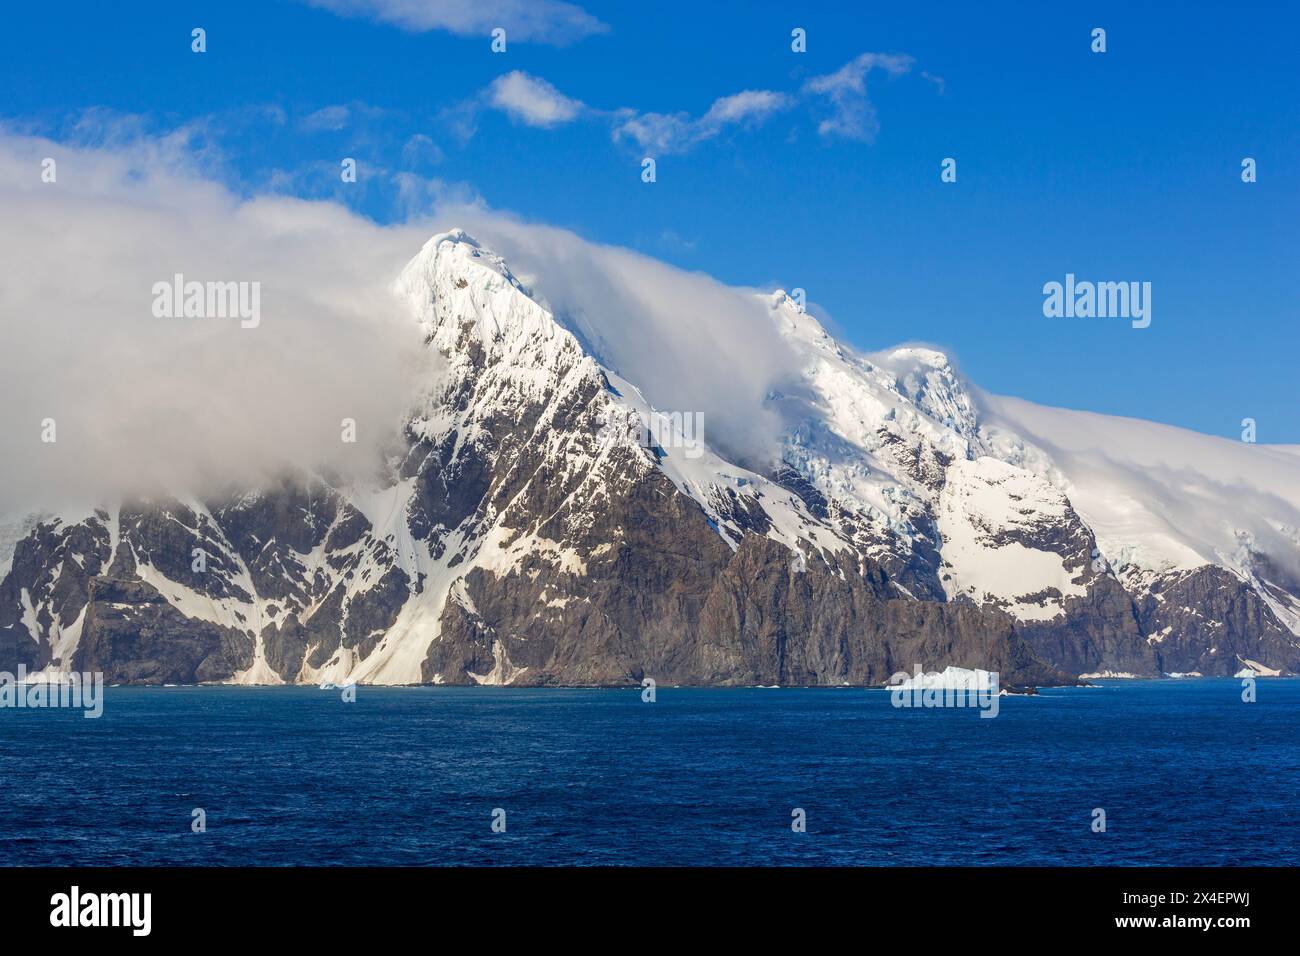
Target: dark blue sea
(1185, 771)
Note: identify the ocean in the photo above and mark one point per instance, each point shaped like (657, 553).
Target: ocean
(1184, 770)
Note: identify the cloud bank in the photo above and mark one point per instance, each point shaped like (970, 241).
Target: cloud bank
(140, 402)
(689, 342)
(145, 404)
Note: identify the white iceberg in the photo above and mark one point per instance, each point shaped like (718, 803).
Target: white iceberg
(950, 678)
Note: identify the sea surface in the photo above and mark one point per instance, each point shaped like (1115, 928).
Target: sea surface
(1186, 772)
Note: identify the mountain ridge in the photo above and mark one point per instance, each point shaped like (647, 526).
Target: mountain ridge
(522, 535)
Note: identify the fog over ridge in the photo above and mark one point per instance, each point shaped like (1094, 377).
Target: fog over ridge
(141, 402)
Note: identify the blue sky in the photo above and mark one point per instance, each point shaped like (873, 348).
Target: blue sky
(1117, 166)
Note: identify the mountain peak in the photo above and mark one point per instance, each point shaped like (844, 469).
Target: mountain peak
(915, 358)
(795, 322)
(455, 234)
(462, 292)
(457, 250)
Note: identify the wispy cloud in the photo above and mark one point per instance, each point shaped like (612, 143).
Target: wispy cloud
(853, 116)
(531, 100)
(338, 116)
(538, 21)
(936, 80)
(330, 118)
(676, 242)
(420, 150)
(659, 326)
(665, 133)
(535, 102)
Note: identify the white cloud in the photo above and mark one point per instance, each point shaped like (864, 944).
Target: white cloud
(145, 403)
(936, 80)
(340, 116)
(541, 21)
(664, 133)
(421, 150)
(854, 116)
(330, 118)
(531, 100)
(184, 402)
(745, 106)
(535, 102)
(658, 133)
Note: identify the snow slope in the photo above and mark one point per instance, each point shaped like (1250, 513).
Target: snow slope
(1158, 497)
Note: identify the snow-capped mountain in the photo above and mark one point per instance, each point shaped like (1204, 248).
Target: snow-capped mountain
(543, 523)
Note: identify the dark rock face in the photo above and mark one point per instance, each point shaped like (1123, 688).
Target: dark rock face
(52, 568)
(1209, 621)
(134, 636)
(651, 558)
(789, 478)
(1100, 633)
(710, 616)
(766, 622)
